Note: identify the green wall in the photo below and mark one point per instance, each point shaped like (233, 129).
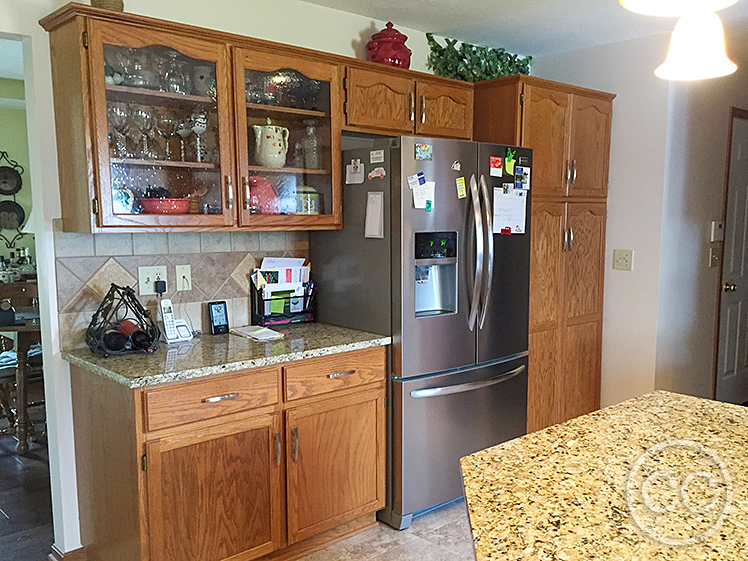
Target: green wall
(14, 140)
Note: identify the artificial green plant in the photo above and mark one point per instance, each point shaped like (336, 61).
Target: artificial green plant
(472, 63)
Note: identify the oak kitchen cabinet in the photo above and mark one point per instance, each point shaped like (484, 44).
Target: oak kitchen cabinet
(261, 462)
(568, 129)
(393, 102)
(185, 118)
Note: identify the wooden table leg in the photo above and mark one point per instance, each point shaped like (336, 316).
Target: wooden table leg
(22, 418)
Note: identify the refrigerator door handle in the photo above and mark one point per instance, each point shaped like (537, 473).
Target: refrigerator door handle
(478, 276)
(488, 262)
(467, 386)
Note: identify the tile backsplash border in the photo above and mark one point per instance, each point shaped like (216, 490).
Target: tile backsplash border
(87, 264)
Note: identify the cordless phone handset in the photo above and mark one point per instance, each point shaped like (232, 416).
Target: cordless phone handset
(167, 313)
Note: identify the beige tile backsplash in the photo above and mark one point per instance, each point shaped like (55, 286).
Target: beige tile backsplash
(87, 264)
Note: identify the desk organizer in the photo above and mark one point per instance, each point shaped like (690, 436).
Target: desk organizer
(296, 309)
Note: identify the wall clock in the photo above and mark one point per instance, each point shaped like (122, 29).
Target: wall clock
(11, 215)
(10, 180)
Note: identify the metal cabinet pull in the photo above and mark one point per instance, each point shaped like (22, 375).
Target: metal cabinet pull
(423, 109)
(412, 106)
(573, 171)
(217, 398)
(295, 443)
(568, 173)
(246, 193)
(571, 239)
(277, 448)
(565, 243)
(230, 187)
(341, 374)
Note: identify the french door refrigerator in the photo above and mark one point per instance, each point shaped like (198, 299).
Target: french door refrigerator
(436, 261)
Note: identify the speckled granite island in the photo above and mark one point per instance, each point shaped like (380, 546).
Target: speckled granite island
(663, 476)
(216, 354)
(230, 448)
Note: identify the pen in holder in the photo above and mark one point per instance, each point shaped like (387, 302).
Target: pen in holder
(283, 307)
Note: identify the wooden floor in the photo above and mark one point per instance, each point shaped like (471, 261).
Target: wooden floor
(25, 504)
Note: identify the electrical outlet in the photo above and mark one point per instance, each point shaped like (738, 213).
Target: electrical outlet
(184, 277)
(623, 259)
(147, 276)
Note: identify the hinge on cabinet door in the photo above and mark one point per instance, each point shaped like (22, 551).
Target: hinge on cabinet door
(95, 205)
(84, 39)
(144, 462)
(345, 108)
(345, 82)
(522, 98)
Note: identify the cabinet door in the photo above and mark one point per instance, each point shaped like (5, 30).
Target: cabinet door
(288, 138)
(545, 129)
(215, 494)
(380, 100)
(585, 260)
(162, 135)
(444, 110)
(590, 146)
(579, 387)
(335, 453)
(546, 313)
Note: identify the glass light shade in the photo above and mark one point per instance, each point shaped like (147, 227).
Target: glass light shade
(674, 8)
(697, 50)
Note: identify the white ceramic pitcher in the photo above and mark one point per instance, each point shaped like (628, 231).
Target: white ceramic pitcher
(271, 145)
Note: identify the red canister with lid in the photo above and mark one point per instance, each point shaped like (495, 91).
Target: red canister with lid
(388, 47)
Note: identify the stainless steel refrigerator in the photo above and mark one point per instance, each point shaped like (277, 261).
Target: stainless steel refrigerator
(431, 253)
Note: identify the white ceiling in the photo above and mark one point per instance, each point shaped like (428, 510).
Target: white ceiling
(11, 59)
(527, 27)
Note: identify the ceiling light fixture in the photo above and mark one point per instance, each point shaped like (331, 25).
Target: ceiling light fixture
(674, 8)
(697, 50)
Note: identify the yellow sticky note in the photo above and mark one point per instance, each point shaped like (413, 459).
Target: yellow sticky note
(461, 189)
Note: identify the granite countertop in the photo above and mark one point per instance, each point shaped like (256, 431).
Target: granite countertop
(663, 476)
(213, 354)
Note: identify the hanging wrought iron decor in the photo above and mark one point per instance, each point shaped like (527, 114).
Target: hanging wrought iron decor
(12, 215)
(121, 325)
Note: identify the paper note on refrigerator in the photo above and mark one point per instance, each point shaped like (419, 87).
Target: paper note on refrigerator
(374, 225)
(509, 210)
(423, 195)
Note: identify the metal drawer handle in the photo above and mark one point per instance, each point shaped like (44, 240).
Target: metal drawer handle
(217, 398)
(468, 386)
(295, 443)
(341, 374)
(277, 448)
(412, 106)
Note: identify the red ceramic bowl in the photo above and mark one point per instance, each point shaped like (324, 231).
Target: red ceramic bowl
(164, 206)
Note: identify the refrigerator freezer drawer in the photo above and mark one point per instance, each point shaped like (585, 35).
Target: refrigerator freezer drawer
(447, 416)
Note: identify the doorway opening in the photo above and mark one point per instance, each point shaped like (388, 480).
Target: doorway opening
(25, 501)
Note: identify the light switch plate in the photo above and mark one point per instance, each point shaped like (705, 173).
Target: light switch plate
(149, 275)
(623, 259)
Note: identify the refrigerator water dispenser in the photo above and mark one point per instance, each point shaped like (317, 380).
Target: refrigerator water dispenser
(435, 273)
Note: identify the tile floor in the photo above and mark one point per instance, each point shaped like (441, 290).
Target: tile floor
(440, 535)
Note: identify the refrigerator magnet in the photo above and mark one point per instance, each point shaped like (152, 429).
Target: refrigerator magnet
(416, 179)
(423, 152)
(376, 157)
(354, 173)
(456, 165)
(510, 161)
(522, 178)
(495, 164)
(461, 189)
(377, 172)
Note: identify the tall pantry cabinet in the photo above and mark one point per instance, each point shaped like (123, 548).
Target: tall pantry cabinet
(568, 129)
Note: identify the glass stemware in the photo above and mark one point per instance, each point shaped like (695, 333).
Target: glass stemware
(199, 121)
(184, 129)
(175, 80)
(118, 116)
(166, 126)
(144, 121)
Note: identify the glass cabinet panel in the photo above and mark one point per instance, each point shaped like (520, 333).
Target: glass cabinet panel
(289, 173)
(163, 132)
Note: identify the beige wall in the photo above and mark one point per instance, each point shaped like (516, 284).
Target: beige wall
(287, 21)
(635, 198)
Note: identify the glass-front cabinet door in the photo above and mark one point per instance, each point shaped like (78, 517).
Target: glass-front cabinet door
(288, 141)
(162, 128)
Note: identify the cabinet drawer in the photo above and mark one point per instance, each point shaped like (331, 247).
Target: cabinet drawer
(330, 373)
(206, 399)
